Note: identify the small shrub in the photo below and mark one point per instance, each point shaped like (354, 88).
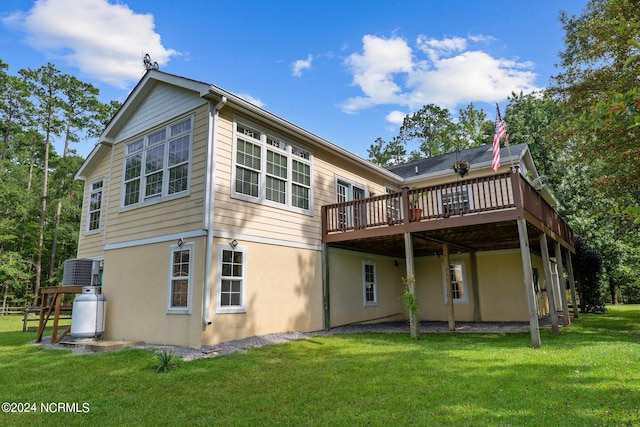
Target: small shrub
(165, 360)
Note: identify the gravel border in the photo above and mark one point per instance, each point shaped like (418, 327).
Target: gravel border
(187, 353)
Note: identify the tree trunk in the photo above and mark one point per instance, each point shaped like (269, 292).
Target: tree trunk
(54, 243)
(612, 291)
(43, 218)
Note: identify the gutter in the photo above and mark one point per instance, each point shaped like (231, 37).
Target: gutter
(209, 198)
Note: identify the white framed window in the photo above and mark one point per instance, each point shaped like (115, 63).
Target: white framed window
(455, 201)
(369, 283)
(271, 171)
(157, 166)
(231, 279)
(95, 205)
(458, 276)
(180, 279)
(346, 191)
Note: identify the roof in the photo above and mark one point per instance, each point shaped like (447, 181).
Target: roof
(476, 156)
(215, 93)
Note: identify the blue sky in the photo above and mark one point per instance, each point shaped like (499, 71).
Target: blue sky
(347, 71)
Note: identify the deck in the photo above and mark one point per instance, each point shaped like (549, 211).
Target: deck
(468, 214)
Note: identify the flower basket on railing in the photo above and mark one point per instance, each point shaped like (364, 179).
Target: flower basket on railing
(461, 167)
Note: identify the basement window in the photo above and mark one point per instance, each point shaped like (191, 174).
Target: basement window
(458, 275)
(180, 279)
(231, 279)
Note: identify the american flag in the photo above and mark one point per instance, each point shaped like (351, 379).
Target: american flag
(500, 133)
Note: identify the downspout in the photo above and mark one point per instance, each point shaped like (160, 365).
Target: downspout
(209, 204)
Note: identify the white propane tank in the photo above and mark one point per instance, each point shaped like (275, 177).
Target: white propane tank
(87, 317)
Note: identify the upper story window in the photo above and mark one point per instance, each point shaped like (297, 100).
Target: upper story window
(95, 205)
(158, 164)
(271, 171)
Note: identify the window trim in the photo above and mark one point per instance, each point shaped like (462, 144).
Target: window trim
(269, 141)
(220, 309)
(465, 298)
(166, 168)
(89, 230)
(366, 303)
(173, 249)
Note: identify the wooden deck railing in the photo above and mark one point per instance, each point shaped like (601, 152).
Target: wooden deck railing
(473, 196)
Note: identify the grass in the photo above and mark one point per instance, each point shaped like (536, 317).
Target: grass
(589, 375)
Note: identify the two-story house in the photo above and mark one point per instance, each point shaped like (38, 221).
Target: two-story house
(217, 220)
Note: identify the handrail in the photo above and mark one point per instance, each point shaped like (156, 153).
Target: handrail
(473, 196)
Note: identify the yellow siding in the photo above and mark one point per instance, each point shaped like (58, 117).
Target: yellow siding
(166, 217)
(91, 244)
(267, 222)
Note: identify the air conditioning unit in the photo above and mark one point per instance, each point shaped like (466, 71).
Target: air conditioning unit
(80, 272)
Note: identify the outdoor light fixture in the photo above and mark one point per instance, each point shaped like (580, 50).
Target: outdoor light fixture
(233, 243)
(180, 242)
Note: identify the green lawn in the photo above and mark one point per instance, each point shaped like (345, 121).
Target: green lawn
(589, 375)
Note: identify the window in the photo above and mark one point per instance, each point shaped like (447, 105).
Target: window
(157, 165)
(180, 278)
(393, 205)
(231, 283)
(95, 205)
(458, 282)
(369, 288)
(271, 171)
(456, 201)
(350, 216)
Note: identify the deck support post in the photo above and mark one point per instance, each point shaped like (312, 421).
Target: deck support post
(562, 287)
(546, 263)
(408, 252)
(525, 251)
(326, 306)
(447, 279)
(572, 285)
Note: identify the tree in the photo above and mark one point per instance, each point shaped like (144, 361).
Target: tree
(595, 67)
(532, 119)
(14, 107)
(45, 84)
(385, 153)
(81, 112)
(475, 128)
(588, 271)
(432, 129)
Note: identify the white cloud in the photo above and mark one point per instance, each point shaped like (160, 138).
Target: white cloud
(445, 72)
(103, 40)
(374, 71)
(396, 117)
(300, 65)
(255, 101)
